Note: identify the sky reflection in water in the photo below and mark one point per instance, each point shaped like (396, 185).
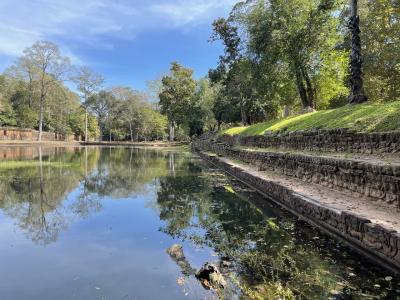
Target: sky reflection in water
(95, 223)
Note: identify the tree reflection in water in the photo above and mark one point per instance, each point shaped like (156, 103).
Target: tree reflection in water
(34, 190)
(272, 255)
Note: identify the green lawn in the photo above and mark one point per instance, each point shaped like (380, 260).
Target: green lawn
(363, 118)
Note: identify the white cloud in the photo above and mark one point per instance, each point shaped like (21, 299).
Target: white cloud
(184, 12)
(75, 22)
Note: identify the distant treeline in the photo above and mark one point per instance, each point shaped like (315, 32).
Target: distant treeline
(33, 95)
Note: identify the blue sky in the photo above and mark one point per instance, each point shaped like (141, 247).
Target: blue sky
(128, 41)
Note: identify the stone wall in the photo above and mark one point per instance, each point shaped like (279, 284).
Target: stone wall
(363, 235)
(342, 140)
(20, 134)
(361, 178)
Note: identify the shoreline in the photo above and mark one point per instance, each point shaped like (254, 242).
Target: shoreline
(157, 144)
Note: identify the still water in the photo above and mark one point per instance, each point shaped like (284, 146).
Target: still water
(95, 223)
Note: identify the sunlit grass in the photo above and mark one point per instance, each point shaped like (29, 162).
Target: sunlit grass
(362, 118)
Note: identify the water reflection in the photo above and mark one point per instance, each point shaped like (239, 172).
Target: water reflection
(274, 256)
(34, 189)
(147, 200)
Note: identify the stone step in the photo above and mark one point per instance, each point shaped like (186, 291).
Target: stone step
(372, 228)
(372, 179)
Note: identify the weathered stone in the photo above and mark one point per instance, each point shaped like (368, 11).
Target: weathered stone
(330, 140)
(21, 134)
(374, 238)
(361, 178)
(210, 277)
(176, 253)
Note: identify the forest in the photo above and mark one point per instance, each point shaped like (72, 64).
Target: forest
(280, 58)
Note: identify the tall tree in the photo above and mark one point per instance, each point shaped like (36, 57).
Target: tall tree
(49, 66)
(88, 83)
(232, 69)
(101, 104)
(201, 115)
(357, 94)
(131, 103)
(177, 91)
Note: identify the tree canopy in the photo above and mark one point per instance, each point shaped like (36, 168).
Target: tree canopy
(33, 94)
(280, 57)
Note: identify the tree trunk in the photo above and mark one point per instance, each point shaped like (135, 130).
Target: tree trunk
(301, 89)
(41, 116)
(357, 94)
(286, 111)
(304, 88)
(86, 125)
(130, 129)
(243, 113)
(310, 90)
(171, 130)
(30, 92)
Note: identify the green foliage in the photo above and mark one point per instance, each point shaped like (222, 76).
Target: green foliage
(124, 114)
(155, 124)
(363, 118)
(177, 91)
(201, 116)
(297, 38)
(291, 55)
(278, 53)
(7, 115)
(33, 93)
(76, 122)
(26, 117)
(279, 56)
(380, 34)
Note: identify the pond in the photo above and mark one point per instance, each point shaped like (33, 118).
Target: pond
(96, 223)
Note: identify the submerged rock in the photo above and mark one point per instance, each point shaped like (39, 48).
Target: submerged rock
(176, 253)
(210, 277)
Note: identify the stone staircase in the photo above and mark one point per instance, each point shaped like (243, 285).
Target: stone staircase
(350, 190)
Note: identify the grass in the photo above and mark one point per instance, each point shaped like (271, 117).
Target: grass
(362, 118)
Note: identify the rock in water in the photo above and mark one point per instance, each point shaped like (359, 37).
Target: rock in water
(176, 253)
(210, 277)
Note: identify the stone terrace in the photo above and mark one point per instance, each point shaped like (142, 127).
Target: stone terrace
(350, 190)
